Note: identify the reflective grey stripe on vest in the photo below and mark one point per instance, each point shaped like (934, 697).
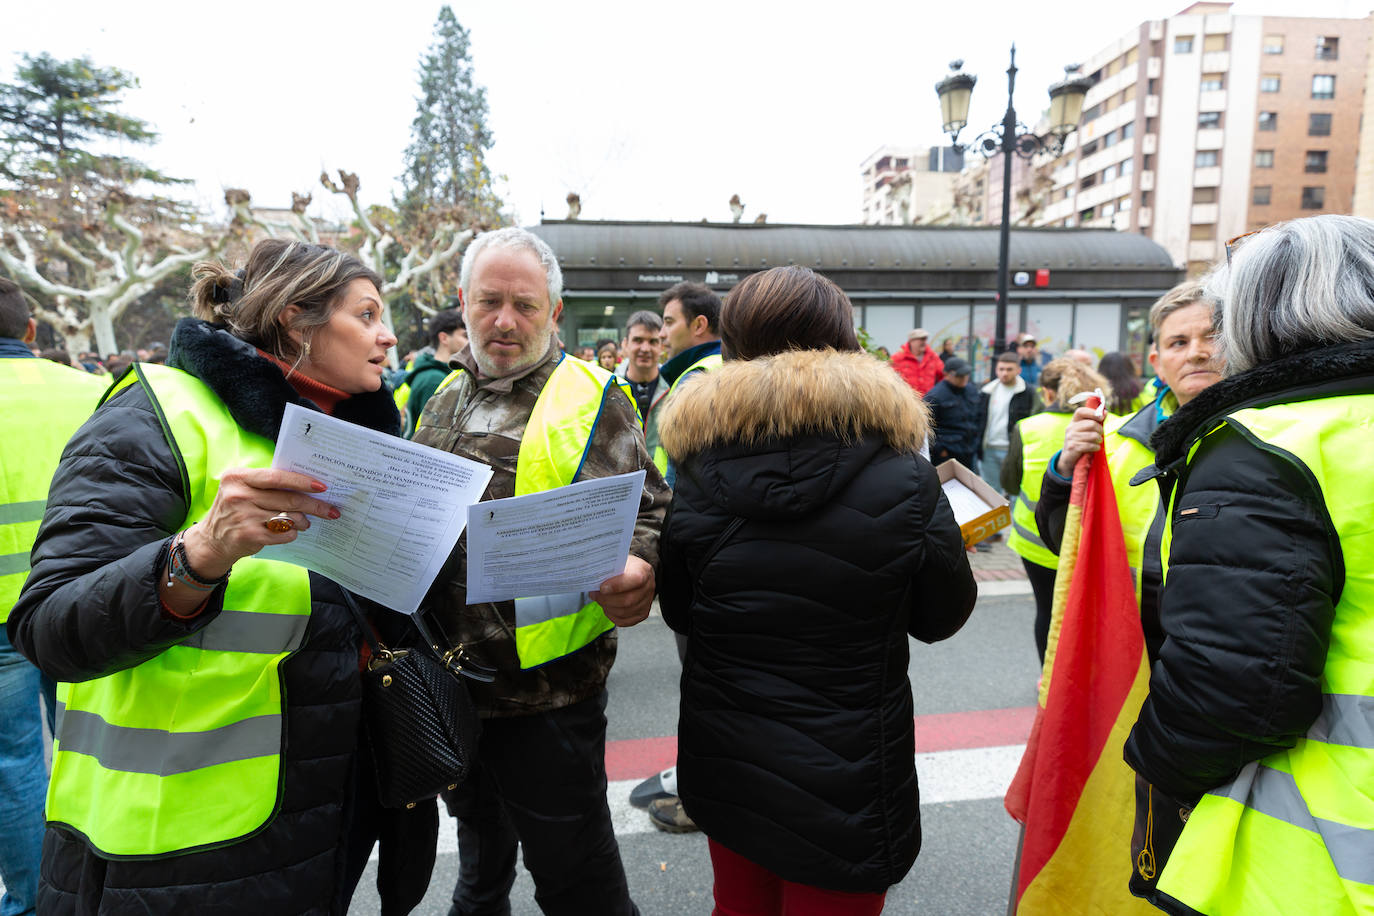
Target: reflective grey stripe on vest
(1275, 793)
(163, 753)
(1032, 536)
(1021, 497)
(246, 631)
(11, 563)
(1345, 719)
(15, 513)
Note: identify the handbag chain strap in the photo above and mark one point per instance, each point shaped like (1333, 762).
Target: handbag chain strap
(454, 659)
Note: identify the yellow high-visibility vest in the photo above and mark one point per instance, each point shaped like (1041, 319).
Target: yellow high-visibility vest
(1294, 832)
(708, 363)
(183, 751)
(1042, 436)
(553, 447)
(47, 402)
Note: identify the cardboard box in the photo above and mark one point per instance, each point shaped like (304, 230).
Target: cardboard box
(979, 509)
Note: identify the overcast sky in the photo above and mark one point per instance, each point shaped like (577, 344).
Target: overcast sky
(648, 110)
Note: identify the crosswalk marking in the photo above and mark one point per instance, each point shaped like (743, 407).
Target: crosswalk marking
(967, 774)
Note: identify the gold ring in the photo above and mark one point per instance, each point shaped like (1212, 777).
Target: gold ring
(278, 524)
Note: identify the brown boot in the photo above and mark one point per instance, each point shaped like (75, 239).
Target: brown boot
(667, 814)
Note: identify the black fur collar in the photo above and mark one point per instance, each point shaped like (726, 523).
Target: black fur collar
(254, 389)
(1326, 371)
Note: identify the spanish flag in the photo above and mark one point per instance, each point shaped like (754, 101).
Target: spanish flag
(1073, 794)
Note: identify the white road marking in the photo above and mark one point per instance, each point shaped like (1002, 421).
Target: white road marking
(969, 774)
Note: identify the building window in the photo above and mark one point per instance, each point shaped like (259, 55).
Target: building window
(1268, 120)
(1216, 42)
(1207, 119)
(1183, 44)
(1204, 195)
(1270, 82)
(1123, 205)
(1089, 148)
(1264, 159)
(1203, 232)
(1206, 158)
(1319, 124)
(1313, 198)
(1126, 167)
(1316, 161)
(1273, 44)
(1091, 114)
(1128, 130)
(1128, 94)
(1108, 173)
(1087, 181)
(1211, 82)
(1260, 194)
(1107, 209)
(1328, 48)
(1086, 215)
(1323, 86)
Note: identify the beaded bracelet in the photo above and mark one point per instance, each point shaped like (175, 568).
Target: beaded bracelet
(179, 569)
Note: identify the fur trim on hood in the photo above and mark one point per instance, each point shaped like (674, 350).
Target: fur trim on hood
(803, 391)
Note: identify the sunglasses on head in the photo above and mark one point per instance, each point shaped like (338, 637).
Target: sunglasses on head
(1233, 244)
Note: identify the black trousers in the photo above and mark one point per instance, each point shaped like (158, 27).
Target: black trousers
(540, 783)
(1042, 584)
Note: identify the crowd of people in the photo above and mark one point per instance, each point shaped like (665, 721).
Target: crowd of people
(206, 703)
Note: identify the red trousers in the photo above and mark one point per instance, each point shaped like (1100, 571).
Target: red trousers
(745, 889)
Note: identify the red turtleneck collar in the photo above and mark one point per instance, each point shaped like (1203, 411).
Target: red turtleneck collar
(323, 395)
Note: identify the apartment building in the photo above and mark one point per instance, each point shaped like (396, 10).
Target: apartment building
(1205, 125)
(903, 185)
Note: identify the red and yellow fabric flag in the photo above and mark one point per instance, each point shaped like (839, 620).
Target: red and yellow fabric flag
(1073, 793)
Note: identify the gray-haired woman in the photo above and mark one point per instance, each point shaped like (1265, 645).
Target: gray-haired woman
(1255, 747)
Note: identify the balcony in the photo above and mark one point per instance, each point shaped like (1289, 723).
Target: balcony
(1154, 68)
(1209, 138)
(1147, 180)
(1202, 251)
(1146, 215)
(1212, 100)
(1209, 177)
(1151, 106)
(1204, 214)
(1149, 144)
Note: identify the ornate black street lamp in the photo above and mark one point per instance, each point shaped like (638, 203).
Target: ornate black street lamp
(1011, 136)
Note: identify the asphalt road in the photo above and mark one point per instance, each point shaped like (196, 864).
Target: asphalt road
(972, 697)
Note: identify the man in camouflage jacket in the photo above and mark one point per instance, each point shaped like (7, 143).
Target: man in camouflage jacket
(540, 778)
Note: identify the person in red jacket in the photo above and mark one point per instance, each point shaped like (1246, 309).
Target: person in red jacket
(917, 363)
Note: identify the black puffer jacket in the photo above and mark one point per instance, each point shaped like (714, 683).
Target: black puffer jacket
(1254, 575)
(805, 542)
(90, 608)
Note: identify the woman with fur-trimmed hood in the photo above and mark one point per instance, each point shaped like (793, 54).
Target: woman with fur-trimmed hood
(807, 539)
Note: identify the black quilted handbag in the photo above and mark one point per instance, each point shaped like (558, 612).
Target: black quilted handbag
(420, 721)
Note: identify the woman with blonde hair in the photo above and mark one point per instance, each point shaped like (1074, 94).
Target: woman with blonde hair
(1034, 442)
(207, 751)
(806, 541)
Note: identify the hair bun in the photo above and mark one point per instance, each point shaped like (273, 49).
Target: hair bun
(227, 289)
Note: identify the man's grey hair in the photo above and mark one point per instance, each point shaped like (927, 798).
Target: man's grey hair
(513, 237)
(647, 318)
(1296, 285)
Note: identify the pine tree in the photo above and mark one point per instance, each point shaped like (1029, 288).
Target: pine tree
(87, 232)
(55, 111)
(446, 166)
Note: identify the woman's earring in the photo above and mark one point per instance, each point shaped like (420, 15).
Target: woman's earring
(305, 345)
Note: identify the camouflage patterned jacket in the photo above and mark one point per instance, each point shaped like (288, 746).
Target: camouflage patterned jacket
(484, 419)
